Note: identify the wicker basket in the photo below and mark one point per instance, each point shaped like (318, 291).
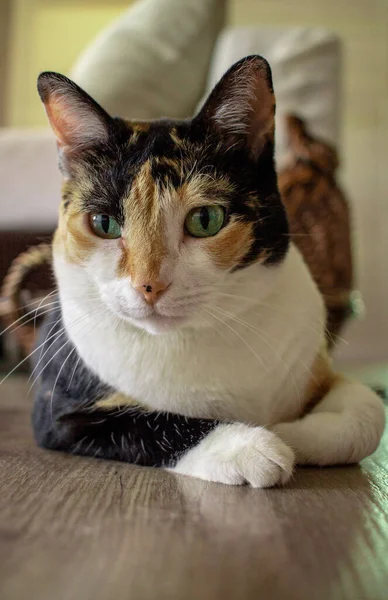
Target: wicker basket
(319, 220)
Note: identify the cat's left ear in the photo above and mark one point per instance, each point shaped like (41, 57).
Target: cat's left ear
(76, 119)
(241, 107)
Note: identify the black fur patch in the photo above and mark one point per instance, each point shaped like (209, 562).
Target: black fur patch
(66, 200)
(65, 416)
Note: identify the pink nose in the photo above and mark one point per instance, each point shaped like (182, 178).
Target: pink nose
(151, 290)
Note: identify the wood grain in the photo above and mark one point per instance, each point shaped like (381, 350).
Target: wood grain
(73, 528)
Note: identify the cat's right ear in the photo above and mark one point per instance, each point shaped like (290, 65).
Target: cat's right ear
(77, 120)
(241, 108)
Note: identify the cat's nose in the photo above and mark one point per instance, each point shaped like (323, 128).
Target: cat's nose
(151, 290)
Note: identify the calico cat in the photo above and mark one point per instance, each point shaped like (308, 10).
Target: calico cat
(189, 333)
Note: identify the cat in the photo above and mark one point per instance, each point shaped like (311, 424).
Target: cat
(189, 333)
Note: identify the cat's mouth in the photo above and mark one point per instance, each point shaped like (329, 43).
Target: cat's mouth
(156, 317)
(158, 323)
(160, 317)
(153, 321)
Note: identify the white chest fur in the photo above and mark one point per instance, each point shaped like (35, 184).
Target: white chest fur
(254, 368)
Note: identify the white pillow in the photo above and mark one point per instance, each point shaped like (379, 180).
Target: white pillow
(153, 61)
(306, 74)
(30, 181)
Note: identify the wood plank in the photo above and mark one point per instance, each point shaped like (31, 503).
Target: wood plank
(77, 529)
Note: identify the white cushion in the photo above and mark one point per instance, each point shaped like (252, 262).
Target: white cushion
(153, 61)
(306, 73)
(30, 180)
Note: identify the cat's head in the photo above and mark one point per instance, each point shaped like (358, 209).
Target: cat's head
(162, 220)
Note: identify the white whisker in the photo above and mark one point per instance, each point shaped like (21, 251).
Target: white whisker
(282, 311)
(73, 373)
(34, 303)
(241, 338)
(47, 363)
(23, 361)
(58, 334)
(214, 328)
(40, 304)
(56, 381)
(63, 332)
(21, 319)
(262, 336)
(41, 352)
(48, 309)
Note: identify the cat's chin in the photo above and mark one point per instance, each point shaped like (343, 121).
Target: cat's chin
(156, 324)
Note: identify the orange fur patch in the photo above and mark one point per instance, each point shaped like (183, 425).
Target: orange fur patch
(137, 129)
(79, 242)
(145, 236)
(201, 190)
(230, 245)
(116, 401)
(140, 125)
(72, 237)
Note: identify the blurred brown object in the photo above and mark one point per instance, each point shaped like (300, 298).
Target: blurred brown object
(319, 219)
(22, 301)
(14, 242)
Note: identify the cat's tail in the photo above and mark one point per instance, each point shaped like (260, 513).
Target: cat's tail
(18, 316)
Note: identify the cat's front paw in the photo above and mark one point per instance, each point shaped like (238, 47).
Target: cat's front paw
(236, 454)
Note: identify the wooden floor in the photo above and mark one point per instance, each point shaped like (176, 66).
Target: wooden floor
(77, 529)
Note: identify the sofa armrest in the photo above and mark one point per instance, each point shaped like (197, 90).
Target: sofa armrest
(29, 180)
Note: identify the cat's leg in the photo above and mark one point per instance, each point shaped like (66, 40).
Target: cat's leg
(344, 427)
(227, 453)
(236, 453)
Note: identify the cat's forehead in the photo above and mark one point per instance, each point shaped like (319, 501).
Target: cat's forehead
(169, 147)
(161, 160)
(166, 145)
(163, 137)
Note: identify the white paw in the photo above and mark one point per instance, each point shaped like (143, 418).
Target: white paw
(236, 454)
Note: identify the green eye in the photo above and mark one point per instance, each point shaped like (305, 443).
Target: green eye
(205, 221)
(105, 226)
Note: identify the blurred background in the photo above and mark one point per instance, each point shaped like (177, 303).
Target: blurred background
(38, 35)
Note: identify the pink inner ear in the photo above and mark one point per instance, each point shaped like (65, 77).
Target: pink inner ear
(61, 120)
(263, 108)
(74, 123)
(262, 116)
